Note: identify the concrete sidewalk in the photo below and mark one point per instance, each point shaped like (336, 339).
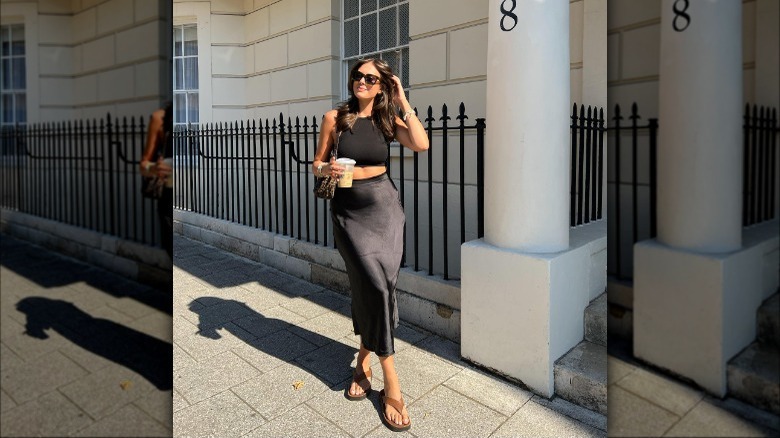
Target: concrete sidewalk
(645, 402)
(84, 352)
(260, 353)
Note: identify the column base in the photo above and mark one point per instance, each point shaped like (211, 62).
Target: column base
(693, 312)
(520, 312)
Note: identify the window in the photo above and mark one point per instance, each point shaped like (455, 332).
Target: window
(377, 29)
(13, 76)
(185, 76)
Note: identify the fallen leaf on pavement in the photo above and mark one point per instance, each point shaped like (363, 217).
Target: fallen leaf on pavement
(298, 384)
(126, 385)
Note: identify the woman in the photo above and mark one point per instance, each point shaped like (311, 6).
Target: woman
(368, 219)
(157, 158)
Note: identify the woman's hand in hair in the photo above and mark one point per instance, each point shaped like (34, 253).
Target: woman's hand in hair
(399, 98)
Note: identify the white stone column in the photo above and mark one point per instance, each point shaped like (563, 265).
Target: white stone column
(526, 151)
(700, 135)
(696, 288)
(525, 285)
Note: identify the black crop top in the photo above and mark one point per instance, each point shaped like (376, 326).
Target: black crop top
(365, 144)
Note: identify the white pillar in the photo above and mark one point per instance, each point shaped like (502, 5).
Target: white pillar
(525, 285)
(526, 151)
(700, 134)
(696, 288)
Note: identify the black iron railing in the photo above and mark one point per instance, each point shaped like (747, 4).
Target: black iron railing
(760, 130)
(258, 173)
(633, 180)
(587, 169)
(82, 173)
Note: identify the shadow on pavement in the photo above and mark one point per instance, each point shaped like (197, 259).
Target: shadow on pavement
(49, 270)
(144, 354)
(330, 365)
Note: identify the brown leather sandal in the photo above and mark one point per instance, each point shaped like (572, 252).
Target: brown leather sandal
(398, 405)
(363, 380)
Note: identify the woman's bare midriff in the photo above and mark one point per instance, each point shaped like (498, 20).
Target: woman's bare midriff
(365, 172)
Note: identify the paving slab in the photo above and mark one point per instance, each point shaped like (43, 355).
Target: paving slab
(617, 369)
(707, 419)
(52, 414)
(661, 391)
(330, 362)
(212, 376)
(591, 418)
(33, 379)
(420, 371)
(224, 415)
(501, 396)
(110, 389)
(159, 408)
(630, 415)
(273, 350)
(534, 420)
(301, 422)
(274, 393)
(129, 421)
(444, 412)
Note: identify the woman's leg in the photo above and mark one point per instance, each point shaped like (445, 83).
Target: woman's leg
(363, 364)
(393, 390)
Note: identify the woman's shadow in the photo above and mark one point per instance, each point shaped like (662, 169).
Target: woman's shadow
(146, 355)
(330, 365)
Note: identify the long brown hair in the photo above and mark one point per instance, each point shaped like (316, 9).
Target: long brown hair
(384, 110)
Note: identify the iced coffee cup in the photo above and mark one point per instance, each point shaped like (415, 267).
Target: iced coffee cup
(345, 180)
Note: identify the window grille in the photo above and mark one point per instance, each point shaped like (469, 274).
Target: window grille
(185, 76)
(377, 29)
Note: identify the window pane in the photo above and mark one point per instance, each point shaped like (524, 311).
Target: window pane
(19, 74)
(368, 33)
(384, 3)
(6, 35)
(21, 107)
(178, 74)
(367, 6)
(6, 67)
(8, 105)
(17, 38)
(403, 24)
(190, 40)
(391, 58)
(177, 41)
(387, 28)
(405, 67)
(179, 108)
(191, 73)
(192, 108)
(350, 8)
(351, 38)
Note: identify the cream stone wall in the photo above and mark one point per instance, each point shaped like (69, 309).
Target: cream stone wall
(261, 58)
(88, 58)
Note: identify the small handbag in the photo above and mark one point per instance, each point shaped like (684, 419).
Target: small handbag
(152, 186)
(325, 187)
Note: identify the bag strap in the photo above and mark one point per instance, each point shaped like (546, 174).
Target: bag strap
(334, 151)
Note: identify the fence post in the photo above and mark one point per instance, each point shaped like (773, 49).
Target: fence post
(618, 251)
(111, 173)
(480, 178)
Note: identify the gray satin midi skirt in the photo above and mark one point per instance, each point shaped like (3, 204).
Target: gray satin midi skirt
(368, 228)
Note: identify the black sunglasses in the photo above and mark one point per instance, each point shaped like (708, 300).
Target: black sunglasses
(370, 79)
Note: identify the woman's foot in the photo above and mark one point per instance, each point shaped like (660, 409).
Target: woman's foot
(394, 407)
(393, 401)
(363, 366)
(361, 384)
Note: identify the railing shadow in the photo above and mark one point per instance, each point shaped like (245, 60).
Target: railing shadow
(49, 270)
(146, 355)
